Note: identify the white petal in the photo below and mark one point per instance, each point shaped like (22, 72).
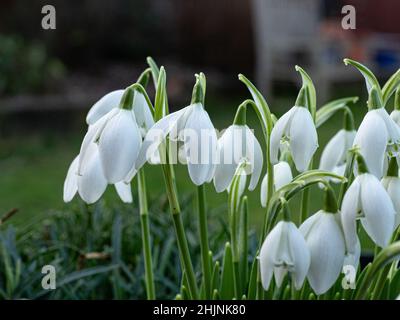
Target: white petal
(92, 183)
(334, 152)
(92, 136)
(229, 152)
(124, 191)
(353, 259)
(327, 249)
(282, 174)
(255, 156)
(378, 210)
(301, 255)
(278, 131)
(156, 135)
(372, 139)
(200, 142)
(267, 254)
(104, 105)
(264, 191)
(395, 115)
(119, 146)
(303, 138)
(71, 181)
(351, 205)
(391, 126)
(392, 186)
(142, 112)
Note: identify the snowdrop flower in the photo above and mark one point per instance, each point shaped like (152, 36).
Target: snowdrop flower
(119, 139)
(298, 128)
(284, 250)
(367, 199)
(282, 176)
(395, 115)
(377, 135)
(334, 156)
(391, 183)
(91, 183)
(191, 126)
(324, 237)
(237, 145)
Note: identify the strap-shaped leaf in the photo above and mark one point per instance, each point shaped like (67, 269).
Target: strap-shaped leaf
(390, 86)
(329, 109)
(311, 96)
(160, 105)
(370, 79)
(155, 71)
(227, 290)
(262, 109)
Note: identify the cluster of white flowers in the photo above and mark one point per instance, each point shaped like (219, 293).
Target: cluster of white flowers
(122, 136)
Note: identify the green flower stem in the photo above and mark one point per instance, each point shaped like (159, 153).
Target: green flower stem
(305, 199)
(204, 240)
(144, 221)
(383, 258)
(179, 229)
(348, 173)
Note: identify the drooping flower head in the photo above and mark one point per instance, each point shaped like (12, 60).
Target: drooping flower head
(284, 251)
(366, 199)
(192, 127)
(296, 128)
(238, 145)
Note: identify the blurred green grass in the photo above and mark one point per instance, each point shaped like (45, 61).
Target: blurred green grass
(33, 167)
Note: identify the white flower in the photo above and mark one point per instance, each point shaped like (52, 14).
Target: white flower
(333, 158)
(282, 176)
(368, 200)
(91, 183)
(297, 126)
(392, 186)
(237, 145)
(111, 101)
(377, 134)
(395, 116)
(191, 126)
(324, 237)
(284, 250)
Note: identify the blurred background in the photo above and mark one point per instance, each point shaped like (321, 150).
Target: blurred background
(50, 78)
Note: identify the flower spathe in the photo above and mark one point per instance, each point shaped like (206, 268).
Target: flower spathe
(282, 176)
(367, 199)
(298, 128)
(237, 145)
(284, 250)
(333, 158)
(377, 136)
(324, 237)
(192, 127)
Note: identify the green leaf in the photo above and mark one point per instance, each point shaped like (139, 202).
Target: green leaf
(370, 79)
(243, 242)
(216, 278)
(311, 96)
(395, 286)
(252, 291)
(261, 107)
(155, 71)
(227, 289)
(160, 104)
(328, 110)
(390, 86)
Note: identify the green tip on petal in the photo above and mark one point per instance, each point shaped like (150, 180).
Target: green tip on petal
(198, 92)
(393, 168)
(127, 99)
(301, 100)
(330, 202)
(373, 99)
(361, 164)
